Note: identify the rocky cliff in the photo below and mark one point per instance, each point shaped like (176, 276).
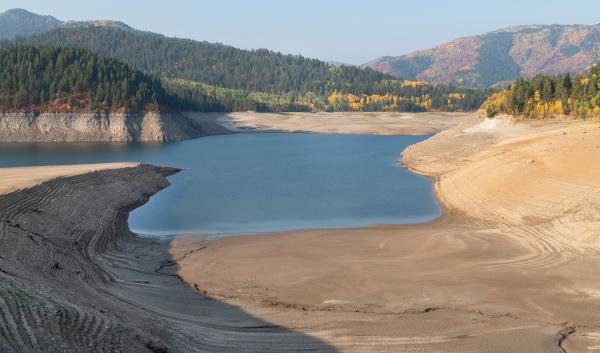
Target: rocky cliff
(152, 126)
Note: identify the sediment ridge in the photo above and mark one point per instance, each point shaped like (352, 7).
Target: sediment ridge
(74, 279)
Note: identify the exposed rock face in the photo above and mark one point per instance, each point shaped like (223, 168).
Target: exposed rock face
(152, 126)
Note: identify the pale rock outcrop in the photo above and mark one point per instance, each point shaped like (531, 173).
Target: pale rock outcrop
(151, 126)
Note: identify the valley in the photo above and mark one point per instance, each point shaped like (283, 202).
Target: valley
(164, 193)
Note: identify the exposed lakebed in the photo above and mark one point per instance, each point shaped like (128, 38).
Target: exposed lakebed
(261, 182)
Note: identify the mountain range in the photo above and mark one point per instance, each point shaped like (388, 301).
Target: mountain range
(213, 76)
(488, 60)
(499, 57)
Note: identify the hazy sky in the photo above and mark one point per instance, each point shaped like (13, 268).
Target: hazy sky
(341, 30)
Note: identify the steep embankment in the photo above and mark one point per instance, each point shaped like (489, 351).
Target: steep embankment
(33, 127)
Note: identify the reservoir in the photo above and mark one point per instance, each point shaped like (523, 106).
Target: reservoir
(261, 182)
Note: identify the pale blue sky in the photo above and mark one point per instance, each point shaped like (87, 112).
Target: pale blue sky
(342, 30)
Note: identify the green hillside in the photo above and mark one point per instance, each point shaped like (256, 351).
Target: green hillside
(211, 63)
(292, 82)
(67, 79)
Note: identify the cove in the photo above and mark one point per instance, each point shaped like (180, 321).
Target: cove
(261, 182)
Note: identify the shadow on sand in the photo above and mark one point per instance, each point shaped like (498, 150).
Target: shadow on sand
(149, 278)
(73, 278)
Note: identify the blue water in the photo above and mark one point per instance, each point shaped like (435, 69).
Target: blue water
(261, 182)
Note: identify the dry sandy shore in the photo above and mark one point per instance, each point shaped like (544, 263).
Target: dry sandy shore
(13, 179)
(510, 267)
(335, 123)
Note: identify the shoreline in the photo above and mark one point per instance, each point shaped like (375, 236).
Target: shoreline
(465, 281)
(345, 123)
(91, 285)
(470, 278)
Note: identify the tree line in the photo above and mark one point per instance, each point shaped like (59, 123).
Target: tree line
(543, 96)
(192, 95)
(60, 78)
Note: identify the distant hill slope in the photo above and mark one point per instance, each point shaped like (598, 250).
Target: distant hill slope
(213, 76)
(18, 22)
(500, 56)
(211, 63)
(68, 79)
(310, 84)
(22, 23)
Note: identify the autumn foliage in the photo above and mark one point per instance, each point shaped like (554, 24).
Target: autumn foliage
(546, 96)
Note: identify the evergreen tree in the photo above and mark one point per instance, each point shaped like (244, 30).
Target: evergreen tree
(52, 76)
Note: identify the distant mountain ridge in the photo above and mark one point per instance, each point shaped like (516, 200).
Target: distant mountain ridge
(213, 76)
(498, 57)
(21, 23)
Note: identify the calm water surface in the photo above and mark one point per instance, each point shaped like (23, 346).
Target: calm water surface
(261, 182)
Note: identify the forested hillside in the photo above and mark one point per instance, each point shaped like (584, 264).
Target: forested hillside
(211, 63)
(258, 79)
(543, 96)
(409, 97)
(67, 79)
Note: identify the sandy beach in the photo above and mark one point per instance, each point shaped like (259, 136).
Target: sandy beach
(509, 267)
